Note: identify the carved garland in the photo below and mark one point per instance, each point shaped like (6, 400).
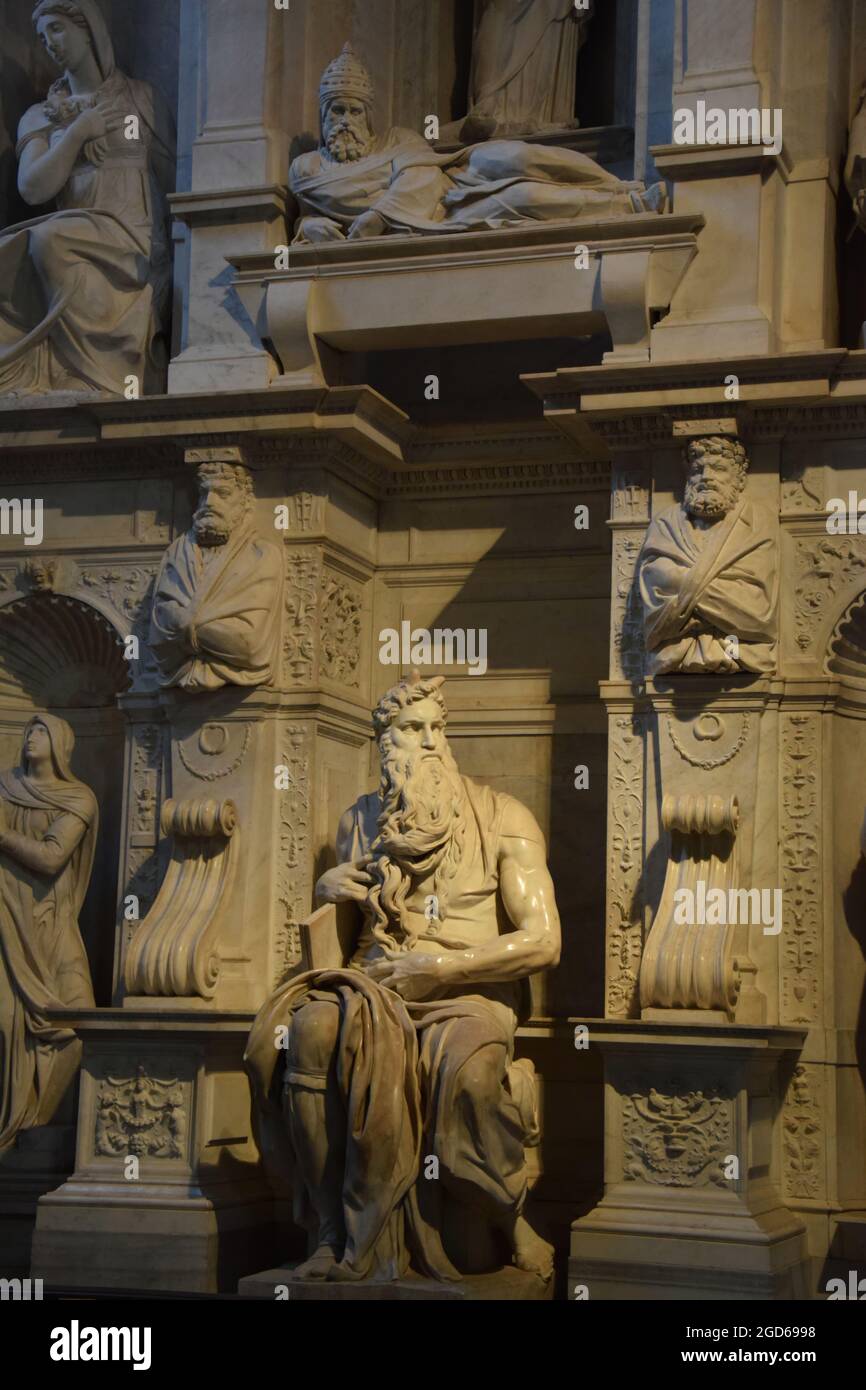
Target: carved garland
(708, 764)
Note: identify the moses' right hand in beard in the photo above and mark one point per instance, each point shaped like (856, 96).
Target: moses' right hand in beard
(345, 883)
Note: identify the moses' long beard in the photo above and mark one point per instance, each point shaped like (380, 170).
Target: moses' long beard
(421, 832)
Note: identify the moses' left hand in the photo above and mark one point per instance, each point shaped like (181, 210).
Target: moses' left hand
(415, 975)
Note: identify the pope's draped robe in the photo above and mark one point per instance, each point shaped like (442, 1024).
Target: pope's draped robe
(215, 613)
(500, 183)
(400, 1070)
(84, 290)
(701, 585)
(43, 963)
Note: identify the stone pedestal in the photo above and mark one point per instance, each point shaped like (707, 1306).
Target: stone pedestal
(691, 1208)
(168, 1192)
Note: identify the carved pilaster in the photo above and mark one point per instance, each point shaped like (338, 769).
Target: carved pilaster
(294, 874)
(800, 868)
(803, 1131)
(624, 863)
(323, 627)
(629, 519)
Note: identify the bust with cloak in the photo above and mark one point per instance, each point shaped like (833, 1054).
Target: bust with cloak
(48, 826)
(216, 605)
(708, 571)
(358, 184)
(85, 289)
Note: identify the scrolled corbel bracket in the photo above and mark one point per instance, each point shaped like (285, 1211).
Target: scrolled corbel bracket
(175, 951)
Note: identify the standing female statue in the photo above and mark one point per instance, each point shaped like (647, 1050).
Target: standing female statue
(84, 290)
(48, 824)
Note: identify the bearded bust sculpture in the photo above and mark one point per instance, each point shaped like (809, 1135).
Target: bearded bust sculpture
(215, 614)
(708, 571)
(85, 289)
(407, 1054)
(360, 185)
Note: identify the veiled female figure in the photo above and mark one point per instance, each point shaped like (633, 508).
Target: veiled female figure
(48, 824)
(84, 290)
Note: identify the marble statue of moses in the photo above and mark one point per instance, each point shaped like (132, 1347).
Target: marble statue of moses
(407, 1053)
(359, 185)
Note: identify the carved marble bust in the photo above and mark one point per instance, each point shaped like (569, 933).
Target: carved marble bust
(216, 605)
(457, 909)
(708, 571)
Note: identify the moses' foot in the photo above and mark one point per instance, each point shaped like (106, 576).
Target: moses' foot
(319, 1265)
(531, 1252)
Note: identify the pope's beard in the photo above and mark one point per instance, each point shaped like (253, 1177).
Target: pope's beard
(709, 501)
(346, 143)
(421, 833)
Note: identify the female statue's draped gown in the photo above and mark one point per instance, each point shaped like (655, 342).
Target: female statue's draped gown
(84, 290)
(43, 963)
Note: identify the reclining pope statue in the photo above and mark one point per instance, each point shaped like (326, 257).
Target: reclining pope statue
(360, 185)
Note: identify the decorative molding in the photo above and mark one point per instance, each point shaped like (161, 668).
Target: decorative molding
(803, 489)
(306, 513)
(709, 727)
(800, 867)
(624, 932)
(222, 747)
(301, 630)
(340, 628)
(145, 793)
(294, 886)
(823, 567)
(679, 1139)
(803, 1129)
(140, 1115)
(629, 496)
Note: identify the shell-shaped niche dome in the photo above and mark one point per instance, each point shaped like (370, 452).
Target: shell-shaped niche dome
(848, 644)
(56, 652)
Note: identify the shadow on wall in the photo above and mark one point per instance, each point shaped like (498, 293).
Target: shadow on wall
(542, 593)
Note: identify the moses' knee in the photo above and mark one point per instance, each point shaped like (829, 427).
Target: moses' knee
(313, 1036)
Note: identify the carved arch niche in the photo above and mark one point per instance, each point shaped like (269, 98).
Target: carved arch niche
(61, 655)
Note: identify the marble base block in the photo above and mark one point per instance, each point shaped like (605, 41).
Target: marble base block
(168, 1192)
(691, 1208)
